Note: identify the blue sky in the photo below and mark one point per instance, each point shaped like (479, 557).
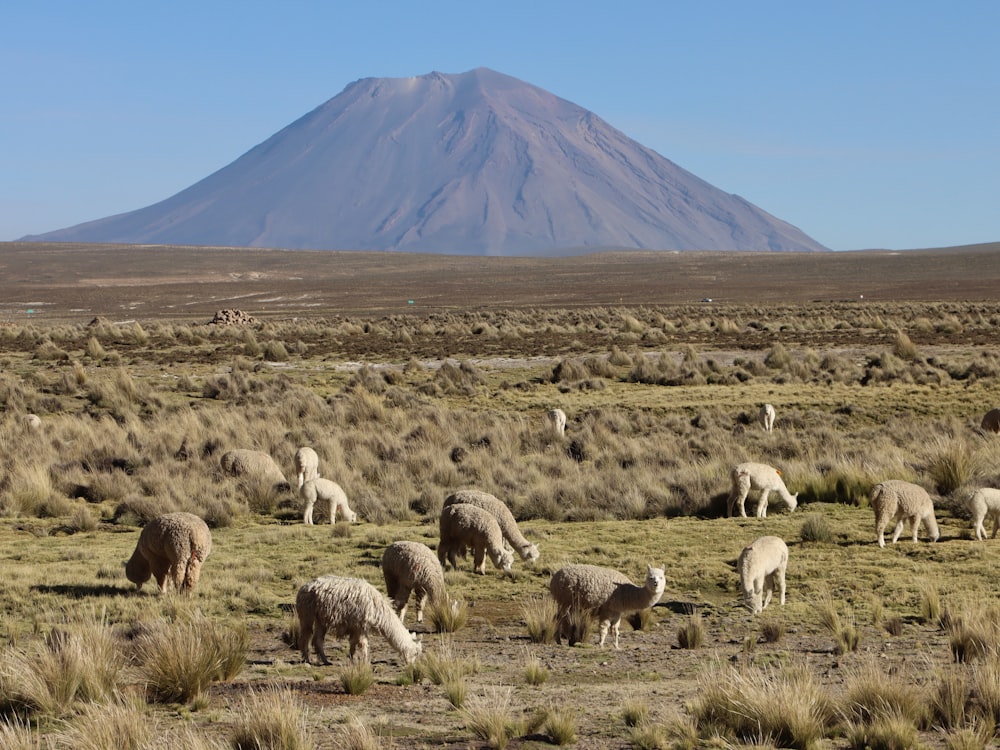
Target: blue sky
(866, 124)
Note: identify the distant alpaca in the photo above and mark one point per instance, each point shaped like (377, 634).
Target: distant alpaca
(896, 501)
(325, 489)
(557, 418)
(766, 417)
(761, 565)
(991, 421)
(603, 593)
(306, 465)
(985, 502)
(761, 478)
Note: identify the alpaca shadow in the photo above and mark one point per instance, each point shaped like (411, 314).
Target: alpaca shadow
(81, 590)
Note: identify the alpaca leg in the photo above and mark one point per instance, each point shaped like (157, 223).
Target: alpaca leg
(421, 601)
(318, 639)
(161, 569)
(780, 576)
(192, 574)
(305, 634)
(479, 559)
(605, 626)
(768, 590)
(916, 527)
(333, 511)
(616, 628)
(401, 600)
(359, 648)
(980, 528)
(762, 504)
(307, 514)
(996, 525)
(738, 497)
(176, 573)
(900, 522)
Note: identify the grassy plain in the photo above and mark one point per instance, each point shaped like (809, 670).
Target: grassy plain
(139, 396)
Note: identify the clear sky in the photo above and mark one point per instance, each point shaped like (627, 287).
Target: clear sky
(867, 124)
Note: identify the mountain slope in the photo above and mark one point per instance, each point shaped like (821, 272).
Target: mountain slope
(474, 163)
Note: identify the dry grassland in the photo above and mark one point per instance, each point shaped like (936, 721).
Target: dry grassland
(139, 396)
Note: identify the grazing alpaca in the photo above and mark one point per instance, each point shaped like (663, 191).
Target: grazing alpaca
(896, 501)
(761, 478)
(411, 567)
(351, 608)
(603, 593)
(557, 418)
(463, 526)
(991, 421)
(761, 565)
(985, 502)
(766, 417)
(321, 488)
(500, 511)
(172, 549)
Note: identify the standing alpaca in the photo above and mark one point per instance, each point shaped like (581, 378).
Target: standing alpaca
(325, 489)
(498, 508)
(351, 608)
(766, 417)
(412, 567)
(985, 502)
(464, 526)
(306, 465)
(557, 418)
(172, 548)
(760, 478)
(603, 593)
(761, 565)
(896, 501)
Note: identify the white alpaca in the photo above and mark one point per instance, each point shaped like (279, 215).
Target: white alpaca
(985, 502)
(557, 418)
(463, 526)
(602, 593)
(508, 525)
(761, 565)
(351, 608)
(321, 488)
(254, 465)
(33, 421)
(411, 567)
(306, 465)
(766, 417)
(896, 501)
(759, 478)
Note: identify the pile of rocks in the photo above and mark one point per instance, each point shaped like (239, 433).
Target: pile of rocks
(232, 317)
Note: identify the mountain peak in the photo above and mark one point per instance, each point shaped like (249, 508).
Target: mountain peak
(470, 163)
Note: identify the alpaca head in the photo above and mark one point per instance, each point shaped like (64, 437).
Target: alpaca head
(656, 580)
(793, 502)
(530, 553)
(505, 560)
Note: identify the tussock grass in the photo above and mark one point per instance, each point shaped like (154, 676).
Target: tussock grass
(271, 719)
(178, 662)
(490, 717)
(356, 678)
(539, 615)
(788, 706)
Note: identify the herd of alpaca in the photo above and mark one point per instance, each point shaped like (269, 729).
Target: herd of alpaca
(173, 547)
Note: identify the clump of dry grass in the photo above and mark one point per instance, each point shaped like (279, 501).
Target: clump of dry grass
(691, 633)
(786, 706)
(272, 719)
(846, 636)
(448, 615)
(490, 717)
(540, 617)
(356, 678)
(177, 662)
